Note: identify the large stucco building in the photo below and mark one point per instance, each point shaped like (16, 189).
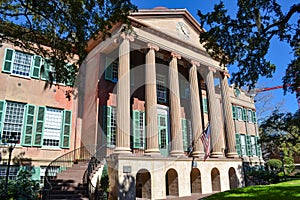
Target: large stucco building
(146, 97)
(40, 119)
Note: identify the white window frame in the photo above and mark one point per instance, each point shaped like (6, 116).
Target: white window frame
(54, 127)
(239, 113)
(253, 146)
(161, 89)
(23, 64)
(10, 120)
(243, 145)
(249, 115)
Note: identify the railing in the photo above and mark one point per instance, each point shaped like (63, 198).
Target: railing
(67, 160)
(96, 160)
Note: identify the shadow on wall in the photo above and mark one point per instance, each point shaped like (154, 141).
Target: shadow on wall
(127, 188)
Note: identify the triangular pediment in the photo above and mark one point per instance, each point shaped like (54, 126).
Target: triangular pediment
(177, 23)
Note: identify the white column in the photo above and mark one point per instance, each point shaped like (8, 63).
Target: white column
(195, 110)
(123, 97)
(151, 102)
(176, 132)
(216, 143)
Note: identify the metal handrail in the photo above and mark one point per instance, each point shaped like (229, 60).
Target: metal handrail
(67, 160)
(95, 160)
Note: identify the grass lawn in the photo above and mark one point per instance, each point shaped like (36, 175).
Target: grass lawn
(282, 191)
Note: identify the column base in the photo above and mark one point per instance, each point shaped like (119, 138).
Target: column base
(232, 155)
(216, 155)
(176, 153)
(153, 152)
(122, 150)
(198, 154)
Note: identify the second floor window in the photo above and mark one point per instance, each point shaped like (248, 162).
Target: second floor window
(161, 88)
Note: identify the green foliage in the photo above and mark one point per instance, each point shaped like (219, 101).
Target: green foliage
(279, 191)
(22, 188)
(281, 132)
(64, 26)
(274, 165)
(104, 181)
(245, 39)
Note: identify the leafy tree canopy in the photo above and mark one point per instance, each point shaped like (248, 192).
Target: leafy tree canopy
(63, 25)
(245, 39)
(280, 132)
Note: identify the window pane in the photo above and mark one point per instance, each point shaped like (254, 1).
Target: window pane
(52, 128)
(13, 121)
(22, 63)
(161, 89)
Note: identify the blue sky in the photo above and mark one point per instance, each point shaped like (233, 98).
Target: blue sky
(280, 53)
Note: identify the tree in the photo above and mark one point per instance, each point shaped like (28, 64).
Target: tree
(22, 188)
(63, 25)
(281, 132)
(245, 40)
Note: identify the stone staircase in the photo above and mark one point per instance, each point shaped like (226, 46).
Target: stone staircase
(69, 183)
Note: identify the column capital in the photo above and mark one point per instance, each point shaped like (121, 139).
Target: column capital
(175, 55)
(152, 46)
(226, 74)
(127, 36)
(212, 69)
(196, 63)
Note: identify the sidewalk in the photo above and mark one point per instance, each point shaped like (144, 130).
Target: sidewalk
(192, 197)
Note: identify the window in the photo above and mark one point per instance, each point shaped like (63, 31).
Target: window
(243, 145)
(52, 127)
(52, 172)
(13, 121)
(13, 172)
(35, 126)
(162, 131)
(253, 145)
(111, 69)
(111, 125)
(249, 114)
(184, 89)
(239, 113)
(204, 105)
(138, 129)
(186, 133)
(21, 64)
(161, 88)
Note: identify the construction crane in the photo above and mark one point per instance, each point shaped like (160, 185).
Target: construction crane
(255, 91)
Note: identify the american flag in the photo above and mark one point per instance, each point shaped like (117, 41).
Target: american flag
(205, 138)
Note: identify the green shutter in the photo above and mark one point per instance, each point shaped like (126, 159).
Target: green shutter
(108, 126)
(238, 144)
(66, 129)
(47, 66)
(28, 125)
(254, 117)
(136, 129)
(205, 108)
(36, 66)
(244, 114)
(109, 69)
(234, 112)
(8, 60)
(36, 173)
(248, 145)
(258, 148)
(184, 134)
(2, 111)
(38, 137)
